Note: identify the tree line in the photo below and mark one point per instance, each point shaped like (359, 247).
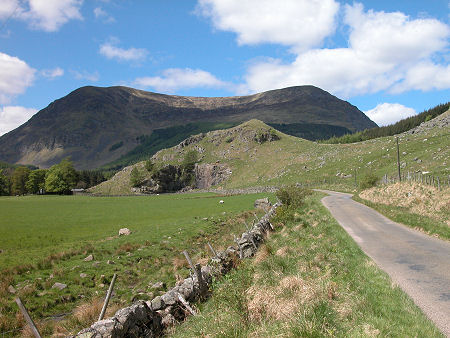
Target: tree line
(61, 178)
(392, 129)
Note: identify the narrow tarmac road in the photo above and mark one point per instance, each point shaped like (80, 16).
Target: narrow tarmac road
(418, 263)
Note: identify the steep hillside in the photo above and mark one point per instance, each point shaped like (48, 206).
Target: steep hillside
(97, 125)
(252, 162)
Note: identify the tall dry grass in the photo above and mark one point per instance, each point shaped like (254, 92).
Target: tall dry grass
(418, 198)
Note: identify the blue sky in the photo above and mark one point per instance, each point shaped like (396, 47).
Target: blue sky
(389, 58)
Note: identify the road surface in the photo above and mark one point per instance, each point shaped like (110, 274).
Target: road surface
(418, 263)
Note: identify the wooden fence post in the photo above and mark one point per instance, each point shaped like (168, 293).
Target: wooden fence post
(28, 318)
(212, 249)
(196, 268)
(108, 296)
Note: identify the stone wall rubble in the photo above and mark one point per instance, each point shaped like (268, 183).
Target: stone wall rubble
(151, 318)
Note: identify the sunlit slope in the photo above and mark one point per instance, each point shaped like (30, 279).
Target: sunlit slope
(255, 161)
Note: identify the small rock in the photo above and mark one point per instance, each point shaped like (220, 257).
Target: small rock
(124, 232)
(101, 285)
(158, 285)
(59, 286)
(157, 303)
(89, 258)
(11, 289)
(263, 203)
(83, 275)
(96, 263)
(110, 262)
(168, 320)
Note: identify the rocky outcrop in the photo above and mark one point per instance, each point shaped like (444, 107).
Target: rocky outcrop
(208, 175)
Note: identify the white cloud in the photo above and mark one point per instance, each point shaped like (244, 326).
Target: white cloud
(8, 8)
(52, 73)
(388, 113)
(297, 23)
(15, 77)
(175, 78)
(84, 75)
(385, 51)
(13, 116)
(100, 13)
(47, 15)
(111, 51)
(424, 76)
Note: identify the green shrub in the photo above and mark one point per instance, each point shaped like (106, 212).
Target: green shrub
(368, 181)
(136, 177)
(292, 196)
(149, 165)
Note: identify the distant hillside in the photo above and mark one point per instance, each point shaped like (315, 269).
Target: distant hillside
(392, 129)
(96, 126)
(243, 156)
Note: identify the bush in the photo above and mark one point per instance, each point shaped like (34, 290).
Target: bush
(292, 196)
(136, 177)
(368, 181)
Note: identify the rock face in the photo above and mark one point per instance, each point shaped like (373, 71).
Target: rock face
(207, 175)
(95, 126)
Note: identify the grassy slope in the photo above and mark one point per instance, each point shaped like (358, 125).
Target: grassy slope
(291, 159)
(311, 280)
(44, 243)
(163, 138)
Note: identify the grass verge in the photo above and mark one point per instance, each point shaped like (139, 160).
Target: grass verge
(309, 280)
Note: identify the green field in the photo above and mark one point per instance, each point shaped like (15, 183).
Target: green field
(44, 240)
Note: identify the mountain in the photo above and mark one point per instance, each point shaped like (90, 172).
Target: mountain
(95, 125)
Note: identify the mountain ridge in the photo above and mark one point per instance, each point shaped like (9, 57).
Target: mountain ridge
(88, 122)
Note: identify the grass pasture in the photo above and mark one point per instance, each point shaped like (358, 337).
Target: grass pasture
(44, 239)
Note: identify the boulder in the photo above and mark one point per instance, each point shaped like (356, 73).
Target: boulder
(59, 286)
(124, 232)
(158, 285)
(263, 203)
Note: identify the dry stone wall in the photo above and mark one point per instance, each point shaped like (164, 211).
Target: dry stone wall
(151, 318)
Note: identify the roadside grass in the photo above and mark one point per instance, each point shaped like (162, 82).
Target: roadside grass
(310, 280)
(403, 215)
(416, 205)
(46, 238)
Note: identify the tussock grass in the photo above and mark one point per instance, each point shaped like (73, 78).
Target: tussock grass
(315, 283)
(419, 206)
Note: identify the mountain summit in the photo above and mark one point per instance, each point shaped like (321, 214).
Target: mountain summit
(95, 125)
